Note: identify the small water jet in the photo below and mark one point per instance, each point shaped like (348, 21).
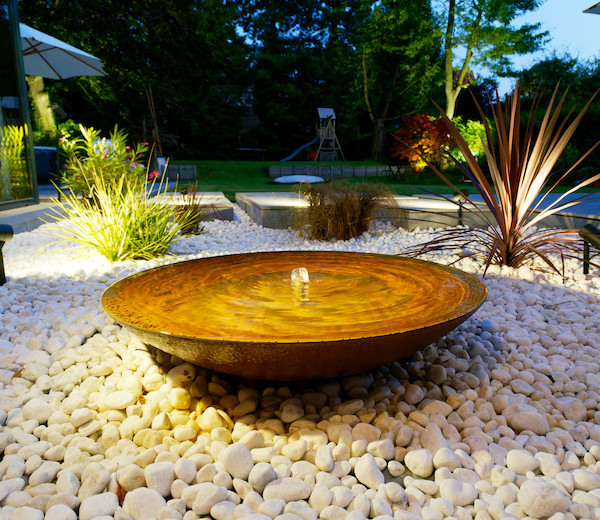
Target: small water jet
(247, 315)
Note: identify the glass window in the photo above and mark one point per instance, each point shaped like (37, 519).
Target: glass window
(15, 144)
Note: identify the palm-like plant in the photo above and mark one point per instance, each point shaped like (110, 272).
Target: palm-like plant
(520, 168)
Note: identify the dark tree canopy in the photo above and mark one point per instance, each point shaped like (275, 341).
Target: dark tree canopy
(483, 30)
(398, 53)
(250, 73)
(189, 53)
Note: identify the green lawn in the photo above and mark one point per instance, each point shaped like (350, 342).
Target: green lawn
(233, 177)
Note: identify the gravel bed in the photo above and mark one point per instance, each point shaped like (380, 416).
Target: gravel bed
(500, 419)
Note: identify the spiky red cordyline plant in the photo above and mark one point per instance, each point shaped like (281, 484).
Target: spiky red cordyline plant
(520, 168)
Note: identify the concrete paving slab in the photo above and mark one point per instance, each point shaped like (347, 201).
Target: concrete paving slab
(290, 209)
(30, 217)
(574, 217)
(214, 204)
(275, 210)
(285, 210)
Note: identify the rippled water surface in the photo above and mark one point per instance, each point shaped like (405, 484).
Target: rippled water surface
(252, 297)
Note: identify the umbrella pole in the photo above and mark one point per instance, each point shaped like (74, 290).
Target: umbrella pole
(59, 114)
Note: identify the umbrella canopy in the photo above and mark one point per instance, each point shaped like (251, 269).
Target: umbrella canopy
(595, 9)
(49, 57)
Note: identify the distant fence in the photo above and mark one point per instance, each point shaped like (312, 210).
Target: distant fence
(331, 171)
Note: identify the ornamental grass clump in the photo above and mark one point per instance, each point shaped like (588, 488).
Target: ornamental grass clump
(520, 167)
(190, 212)
(341, 210)
(119, 221)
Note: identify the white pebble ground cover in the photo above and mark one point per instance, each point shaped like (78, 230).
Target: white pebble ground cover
(500, 419)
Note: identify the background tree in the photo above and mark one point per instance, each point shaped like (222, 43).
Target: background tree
(188, 51)
(580, 79)
(481, 30)
(398, 54)
(300, 59)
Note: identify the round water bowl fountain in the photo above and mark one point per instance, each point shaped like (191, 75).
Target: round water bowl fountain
(294, 315)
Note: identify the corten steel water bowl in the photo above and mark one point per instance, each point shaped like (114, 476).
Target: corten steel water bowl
(242, 314)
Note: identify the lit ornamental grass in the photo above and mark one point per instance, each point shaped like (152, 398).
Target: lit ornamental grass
(519, 167)
(120, 222)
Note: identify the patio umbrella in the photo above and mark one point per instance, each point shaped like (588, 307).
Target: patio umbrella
(49, 57)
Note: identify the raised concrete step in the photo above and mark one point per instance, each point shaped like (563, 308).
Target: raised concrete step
(290, 209)
(214, 205)
(27, 218)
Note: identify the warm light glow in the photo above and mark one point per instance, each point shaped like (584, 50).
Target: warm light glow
(300, 275)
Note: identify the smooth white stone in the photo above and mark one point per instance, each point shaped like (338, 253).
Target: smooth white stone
(67, 482)
(181, 375)
(223, 510)
(324, 458)
(458, 493)
(119, 400)
(526, 418)
(572, 408)
(395, 493)
(185, 469)
(521, 461)
(97, 505)
(341, 496)
(37, 409)
(81, 416)
(292, 411)
(419, 462)
(414, 394)
(540, 499)
(333, 513)
(432, 439)
(288, 489)
(445, 458)
(26, 513)
(383, 448)
(45, 473)
(159, 477)
(367, 472)
(60, 512)
(549, 463)
(94, 484)
(260, 475)
(295, 450)
(207, 496)
(585, 480)
(237, 460)
(303, 468)
(131, 477)
(272, 507)
(143, 503)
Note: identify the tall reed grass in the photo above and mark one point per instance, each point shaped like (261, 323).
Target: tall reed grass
(119, 220)
(341, 210)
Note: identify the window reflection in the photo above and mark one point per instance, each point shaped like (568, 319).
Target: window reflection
(14, 172)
